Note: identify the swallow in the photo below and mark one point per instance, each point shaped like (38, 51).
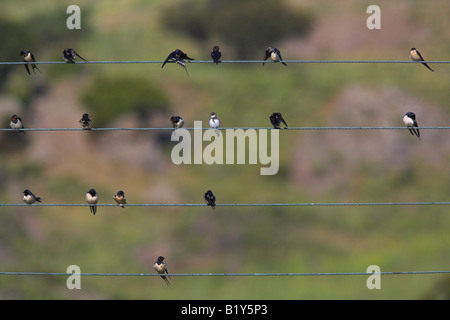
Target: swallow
(85, 122)
(178, 57)
(29, 57)
(210, 199)
(177, 122)
(161, 267)
(216, 54)
(92, 199)
(416, 56)
(409, 119)
(69, 55)
(214, 122)
(16, 123)
(274, 54)
(276, 119)
(29, 198)
(120, 198)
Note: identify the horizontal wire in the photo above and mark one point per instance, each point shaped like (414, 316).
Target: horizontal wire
(6, 273)
(223, 128)
(226, 61)
(306, 204)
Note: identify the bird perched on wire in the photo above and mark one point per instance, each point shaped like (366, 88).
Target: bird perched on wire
(29, 198)
(214, 122)
(409, 119)
(276, 119)
(210, 199)
(92, 199)
(85, 122)
(120, 198)
(416, 56)
(177, 57)
(28, 57)
(177, 122)
(274, 54)
(216, 54)
(161, 267)
(69, 55)
(16, 123)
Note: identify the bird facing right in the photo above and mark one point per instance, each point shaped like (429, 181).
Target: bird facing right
(69, 55)
(29, 198)
(276, 119)
(415, 55)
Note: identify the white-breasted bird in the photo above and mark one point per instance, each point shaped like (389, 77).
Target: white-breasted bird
(29, 198)
(16, 123)
(92, 199)
(409, 119)
(274, 54)
(214, 122)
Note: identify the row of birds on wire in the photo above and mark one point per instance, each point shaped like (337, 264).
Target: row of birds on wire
(92, 198)
(276, 119)
(179, 57)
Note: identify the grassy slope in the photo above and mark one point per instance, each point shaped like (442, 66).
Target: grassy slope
(229, 240)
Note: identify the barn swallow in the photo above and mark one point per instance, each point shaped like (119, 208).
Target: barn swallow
(85, 122)
(274, 54)
(29, 198)
(216, 54)
(276, 119)
(214, 122)
(177, 122)
(69, 55)
(416, 56)
(210, 199)
(178, 57)
(29, 57)
(92, 199)
(120, 198)
(161, 267)
(16, 123)
(409, 119)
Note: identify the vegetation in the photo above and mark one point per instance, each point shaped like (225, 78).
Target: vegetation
(109, 98)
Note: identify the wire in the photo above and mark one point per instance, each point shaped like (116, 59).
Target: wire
(226, 61)
(223, 128)
(306, 274)
(306, 204)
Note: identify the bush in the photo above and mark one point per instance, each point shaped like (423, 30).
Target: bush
(107, 98)
(249, 26)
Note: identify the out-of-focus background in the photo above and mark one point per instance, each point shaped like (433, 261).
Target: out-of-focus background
(315, 166)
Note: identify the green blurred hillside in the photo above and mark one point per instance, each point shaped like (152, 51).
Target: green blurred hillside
(315, 166)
